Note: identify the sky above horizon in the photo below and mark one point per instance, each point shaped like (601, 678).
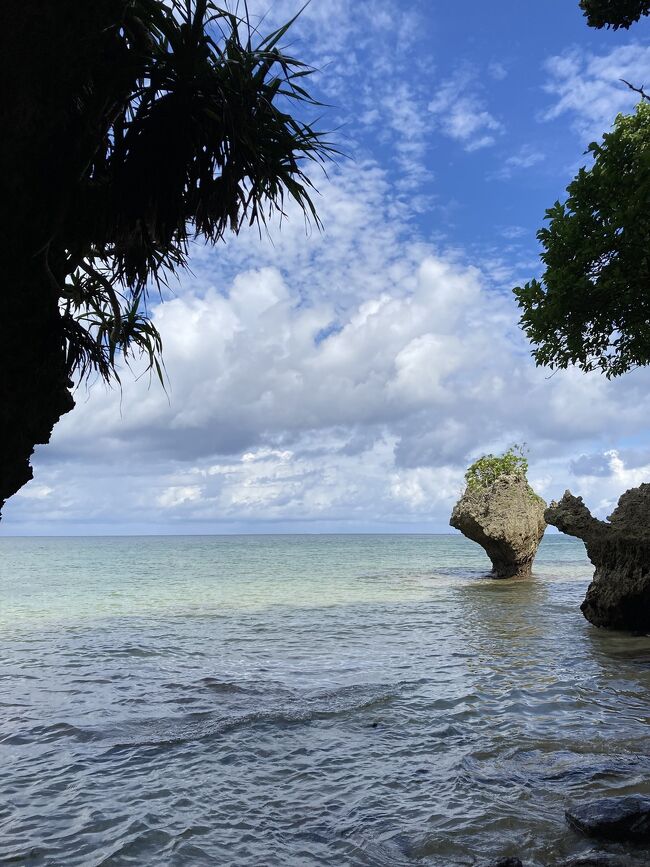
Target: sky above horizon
(342, 381)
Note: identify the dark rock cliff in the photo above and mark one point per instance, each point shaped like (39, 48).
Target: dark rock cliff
(619, 595)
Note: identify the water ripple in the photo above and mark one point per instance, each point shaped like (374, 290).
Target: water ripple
(316, 701)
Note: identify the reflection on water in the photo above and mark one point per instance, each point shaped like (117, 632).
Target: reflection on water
(306, 701)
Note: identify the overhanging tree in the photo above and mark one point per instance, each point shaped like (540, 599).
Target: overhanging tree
(614, 13)
(591, 307)
(129, 127)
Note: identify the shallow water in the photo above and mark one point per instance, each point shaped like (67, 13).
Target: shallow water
(306, 700)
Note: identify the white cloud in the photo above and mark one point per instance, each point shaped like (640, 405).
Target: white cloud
(33, 491)
(497, 71)
(341, 380)
(526, 157)
(459, 109)
(248, 362)
(511, 233)
(176, 495)
(406, 115)
(364, 56)
(602, 477)
(346, 378)
(588, 86)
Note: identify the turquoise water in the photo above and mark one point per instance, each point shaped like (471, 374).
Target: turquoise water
(306, 700)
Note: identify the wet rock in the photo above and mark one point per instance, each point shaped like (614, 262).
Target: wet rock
(619, 595)
(507, 519)
(625, 818)
(597, 859)
(504, 862)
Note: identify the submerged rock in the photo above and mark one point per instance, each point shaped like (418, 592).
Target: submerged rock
(597, 859)
(619, 595)
(625, 818)
(507, 519)
(504, 862)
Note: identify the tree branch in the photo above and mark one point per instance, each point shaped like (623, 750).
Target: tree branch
(638, 90)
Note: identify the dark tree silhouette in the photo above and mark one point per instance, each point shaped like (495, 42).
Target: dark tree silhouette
(129, 126)
(614, 13)
(591, 307)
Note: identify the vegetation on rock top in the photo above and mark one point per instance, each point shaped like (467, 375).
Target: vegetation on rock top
(488, 468)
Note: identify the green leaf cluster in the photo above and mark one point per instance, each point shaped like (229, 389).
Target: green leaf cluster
(488, 468)
(614, 13)
(591, 307)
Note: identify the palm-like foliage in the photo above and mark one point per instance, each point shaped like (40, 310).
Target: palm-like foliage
(193, 136)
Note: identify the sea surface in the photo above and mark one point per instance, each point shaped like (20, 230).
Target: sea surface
(306, 700)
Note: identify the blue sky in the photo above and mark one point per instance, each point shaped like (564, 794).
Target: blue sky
(342, 381)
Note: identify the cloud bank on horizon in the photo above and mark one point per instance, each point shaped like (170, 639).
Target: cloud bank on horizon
(342, 381)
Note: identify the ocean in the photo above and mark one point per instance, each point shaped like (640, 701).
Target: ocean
(306, 700)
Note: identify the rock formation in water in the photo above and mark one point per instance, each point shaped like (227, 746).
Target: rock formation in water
(626, 818)
(506, 518)
(619, 595)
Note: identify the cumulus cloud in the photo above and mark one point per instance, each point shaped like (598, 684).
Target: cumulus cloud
(248, 363)
(360, 402)
(604, 476)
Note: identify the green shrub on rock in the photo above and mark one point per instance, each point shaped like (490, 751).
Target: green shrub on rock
(488, 468)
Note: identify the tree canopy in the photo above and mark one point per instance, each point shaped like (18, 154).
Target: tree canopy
(614, 13)
(592, 305)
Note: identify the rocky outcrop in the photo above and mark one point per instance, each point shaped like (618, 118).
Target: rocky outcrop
(625, 818)
(507, 519)
(619, 595)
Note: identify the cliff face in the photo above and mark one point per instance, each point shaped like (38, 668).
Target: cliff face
(56, 68)
(507, 519)
(34, 385)
(619, 595)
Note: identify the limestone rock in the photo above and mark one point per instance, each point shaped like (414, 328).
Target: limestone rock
(507, 519)
(624, 818)
(619, 595)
